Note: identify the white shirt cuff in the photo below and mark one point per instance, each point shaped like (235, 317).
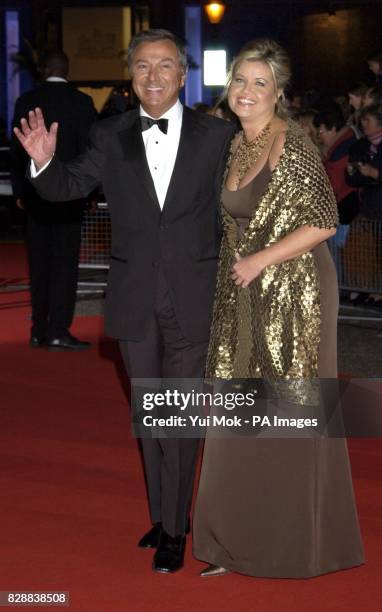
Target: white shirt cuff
(34, 171)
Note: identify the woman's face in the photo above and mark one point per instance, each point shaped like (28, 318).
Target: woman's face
(355, 101)
(370, 125)
(252, 92)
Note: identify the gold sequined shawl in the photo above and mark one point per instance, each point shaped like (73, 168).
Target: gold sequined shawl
(271, 329)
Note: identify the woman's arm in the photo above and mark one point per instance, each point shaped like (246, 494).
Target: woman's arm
(302, 240)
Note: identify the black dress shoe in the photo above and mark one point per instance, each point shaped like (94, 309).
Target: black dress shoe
(151, 538)
(169, 555)
(67, 342)
(37, 342)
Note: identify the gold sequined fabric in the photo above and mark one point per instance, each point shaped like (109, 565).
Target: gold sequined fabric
(271, 329)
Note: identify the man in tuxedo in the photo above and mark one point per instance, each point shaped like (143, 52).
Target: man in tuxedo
(53, 232)
(161, 168)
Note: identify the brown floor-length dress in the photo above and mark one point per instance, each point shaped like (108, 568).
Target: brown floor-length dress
(279, 507)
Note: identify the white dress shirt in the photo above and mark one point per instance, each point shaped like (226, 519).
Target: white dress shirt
(161, 149)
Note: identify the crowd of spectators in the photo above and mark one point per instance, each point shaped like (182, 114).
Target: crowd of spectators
(347, 130)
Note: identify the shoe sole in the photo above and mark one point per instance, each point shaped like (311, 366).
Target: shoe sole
(56, 349)
(162, 570)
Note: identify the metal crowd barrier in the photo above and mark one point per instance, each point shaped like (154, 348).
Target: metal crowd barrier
(356, 250)
(95, 238)
(95, 249)
(357, 254)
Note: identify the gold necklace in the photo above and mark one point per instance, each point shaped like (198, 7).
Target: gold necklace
(247, 153)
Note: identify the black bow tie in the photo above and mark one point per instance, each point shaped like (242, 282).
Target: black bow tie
(147, 123)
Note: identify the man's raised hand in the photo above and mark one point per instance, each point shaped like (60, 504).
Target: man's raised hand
(39, 143)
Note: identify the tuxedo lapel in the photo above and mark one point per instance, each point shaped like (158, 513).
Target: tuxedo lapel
(134, 152)
(189, 143)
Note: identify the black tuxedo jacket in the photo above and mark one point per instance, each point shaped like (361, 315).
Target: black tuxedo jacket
(75, 113)
(183, 237)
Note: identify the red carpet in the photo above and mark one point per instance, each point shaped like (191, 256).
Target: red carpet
(73, 501)
(13, 263)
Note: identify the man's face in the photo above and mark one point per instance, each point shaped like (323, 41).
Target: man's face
(157, 76)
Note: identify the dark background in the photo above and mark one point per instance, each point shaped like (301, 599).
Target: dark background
(328, 40)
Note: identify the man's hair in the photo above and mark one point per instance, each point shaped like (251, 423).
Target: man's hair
(331, 117)
(156, 35)
(358, 89)
(55, 63)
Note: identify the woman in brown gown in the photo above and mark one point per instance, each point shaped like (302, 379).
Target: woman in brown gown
(274, 507)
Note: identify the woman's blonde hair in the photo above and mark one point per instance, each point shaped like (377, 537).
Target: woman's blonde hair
(271, 53)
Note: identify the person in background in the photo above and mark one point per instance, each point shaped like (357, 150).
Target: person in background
(364, 171)
(356, 96)
(295, 104)
(336, 139)
(305, 119)
(222, 110)
(374, 61)
(373, 96)
(53, 232)
(314, 98)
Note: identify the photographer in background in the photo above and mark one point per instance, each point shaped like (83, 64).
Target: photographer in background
(364, 171)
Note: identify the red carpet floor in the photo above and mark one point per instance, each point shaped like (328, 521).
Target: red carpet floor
(73, 500)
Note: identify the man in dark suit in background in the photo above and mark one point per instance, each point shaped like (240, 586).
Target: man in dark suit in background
(53, 232)
(161, 169)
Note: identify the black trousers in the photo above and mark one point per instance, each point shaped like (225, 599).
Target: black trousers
(169, 462)
(53, 252)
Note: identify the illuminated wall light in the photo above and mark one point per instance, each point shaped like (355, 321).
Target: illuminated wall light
(215, 11)
(215, 67)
